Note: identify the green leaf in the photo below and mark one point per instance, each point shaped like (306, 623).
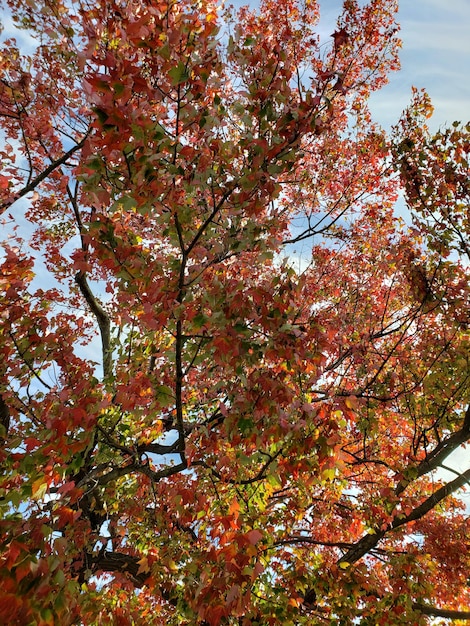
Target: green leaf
(329, 474)
(179, 74)
(164, 52)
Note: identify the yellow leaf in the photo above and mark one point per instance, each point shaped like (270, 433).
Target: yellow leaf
(39, 488)
(172, 566)
(351, 402)
(329, 474)
(143, 566)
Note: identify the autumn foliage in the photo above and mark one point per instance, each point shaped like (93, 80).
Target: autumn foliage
(228, 370)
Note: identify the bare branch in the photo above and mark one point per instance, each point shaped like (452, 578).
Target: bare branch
(433, 611)
(103, 321)
(31, 186)
(122, 563)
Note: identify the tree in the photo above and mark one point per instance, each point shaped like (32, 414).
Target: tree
(253, 439)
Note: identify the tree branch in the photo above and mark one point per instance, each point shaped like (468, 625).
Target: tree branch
(433, 500)
(440, 452)
(433, 611)
(369, 541)
(31, 186)
(4, 419)
(118, 562)
(99, 475)
(102, 318)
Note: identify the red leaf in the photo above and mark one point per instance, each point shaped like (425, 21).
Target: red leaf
(340, 38)
(254, 536)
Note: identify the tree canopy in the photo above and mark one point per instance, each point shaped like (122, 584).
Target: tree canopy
(229, 370)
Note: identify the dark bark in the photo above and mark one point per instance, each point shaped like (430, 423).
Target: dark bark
(4, 418)
(433, 611)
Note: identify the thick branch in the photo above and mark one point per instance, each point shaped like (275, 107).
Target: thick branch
(433, 500)
(367, 542)
(439, 454)
(4, 418)
(179, 384)
(102, 318)
(433, 611)
(158, 448)
(118, 562)
(433, 460)
(309, 540)
(99, 475)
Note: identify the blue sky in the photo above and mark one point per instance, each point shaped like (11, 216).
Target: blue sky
(436, 56)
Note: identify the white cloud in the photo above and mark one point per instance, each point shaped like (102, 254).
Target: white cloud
(435, 56)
